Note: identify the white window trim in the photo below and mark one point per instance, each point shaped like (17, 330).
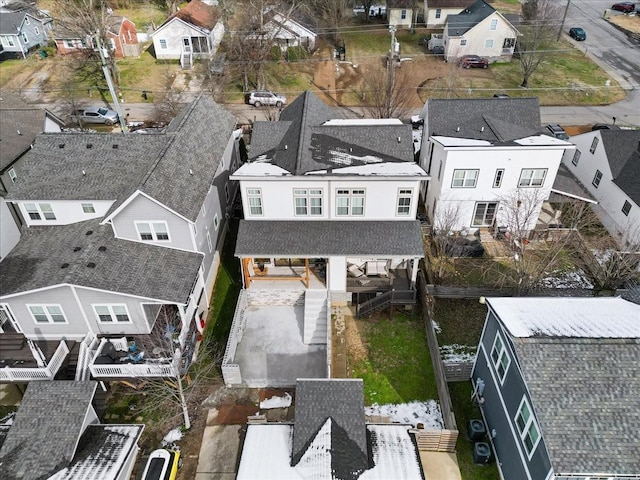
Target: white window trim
(25, 39)
(498, 177)
(595, 176)
(40, 212)
(209, 244)
(89, 206)
(46, 311)
(503, 352)
(594, 145)
(257, 195)
(464, 178)
(404, 193)
(576, 157)
(350, 196)
(12, 175)
(493, 25)
(163, 43)
(153, 232)
(624, 205)
(216, 222)
(308, 196)
(525, 430)
(110, 306)
(533, 175)
(488, 43)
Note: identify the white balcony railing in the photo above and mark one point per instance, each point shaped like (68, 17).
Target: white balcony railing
(9, 374)
(87, 347)
(148, 368)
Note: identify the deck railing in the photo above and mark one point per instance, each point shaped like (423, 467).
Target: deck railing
(9, 374)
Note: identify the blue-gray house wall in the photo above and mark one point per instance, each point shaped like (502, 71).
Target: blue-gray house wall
(34, 30)
(500, 406)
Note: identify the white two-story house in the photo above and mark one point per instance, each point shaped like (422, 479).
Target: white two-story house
(607, 162)
(121, 247)
(329, 216)
(481, 152)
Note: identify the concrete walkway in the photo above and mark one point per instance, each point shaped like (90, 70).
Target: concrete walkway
(219, 451)
(440, 466)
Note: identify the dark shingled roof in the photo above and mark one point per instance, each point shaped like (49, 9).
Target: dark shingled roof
(46, 429)
(566, 183)
(300, 143)
(342, 401)
(585, 396)
(623, 153)
(448, 3)
(497, 120)
(261, 238)
(176, 167)
(458, 25)
(46, 256)
(198, 13)
(400, 4)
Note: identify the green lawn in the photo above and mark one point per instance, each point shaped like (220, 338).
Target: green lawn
(460, 321)
(397, 368)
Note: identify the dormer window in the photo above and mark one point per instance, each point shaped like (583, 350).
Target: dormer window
(157, 231)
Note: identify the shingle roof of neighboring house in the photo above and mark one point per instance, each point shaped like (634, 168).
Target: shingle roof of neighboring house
(176, 167)
(124, 266)
(400, 4)
(342, 401)
(579, 360)
(448, 3)
(326, 238)
(566, 183)
(102, 450)
(623, 153)
(10, 22)
(197, 13)
(68, 29)
(18, 130)
(492, 119)
(300, 143)
(458, 25)
(46, 429)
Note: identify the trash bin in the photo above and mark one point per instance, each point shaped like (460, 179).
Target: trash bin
(43, 54)
(475, 430)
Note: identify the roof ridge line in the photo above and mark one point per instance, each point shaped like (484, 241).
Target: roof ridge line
(302, 129)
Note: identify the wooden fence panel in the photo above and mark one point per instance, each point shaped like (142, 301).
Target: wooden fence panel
(436, 440)
(458, 371)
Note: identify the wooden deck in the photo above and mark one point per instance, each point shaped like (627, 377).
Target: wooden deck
(397, 279)
(16, 352)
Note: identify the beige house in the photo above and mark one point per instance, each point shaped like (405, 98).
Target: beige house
(437, 11)
(479, 30)
(400, 13)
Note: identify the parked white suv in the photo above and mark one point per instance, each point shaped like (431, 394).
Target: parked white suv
(259, 98)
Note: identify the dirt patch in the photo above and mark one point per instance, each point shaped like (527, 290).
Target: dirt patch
(628, 22)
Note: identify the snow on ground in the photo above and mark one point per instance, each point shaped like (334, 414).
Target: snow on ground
(173, 436)
(276, 402)
(457, 353)
(427, 413)
(574, 279)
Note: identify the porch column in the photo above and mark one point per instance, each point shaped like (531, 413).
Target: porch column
(414, 271)
(306, 271)
(245, 272)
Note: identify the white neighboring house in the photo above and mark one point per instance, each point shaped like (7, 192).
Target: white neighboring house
(479, 30)
(481, 152)
(437, 11)
(193, 32)
(607, 162)
(122, 246)
(287, 32)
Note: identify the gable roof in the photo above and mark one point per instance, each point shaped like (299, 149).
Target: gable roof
(175, 167)
(497, 120)
(579, 357)
(337, 408)
(448, 3)
(46, 428)
(458, 25)
(289, 24)
(304, 140)
(197, 13)
(47, 256)
(19, 126)
(11, 22)
(408, 4)
(623, 154)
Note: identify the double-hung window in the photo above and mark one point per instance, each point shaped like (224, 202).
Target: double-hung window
(494, 24)
(112, 313)
(596, 179)
(576, 157)
(500, 358)
(308, 201)
(465, 178)
(88, 208)
(532, 177)
(12, 175)
(254, 199)
(594, 145)
(350, 202)
(438, 12)
(527, 427)
(497, 180)
(626, 208)
(40, 211)
(484, 214)
(404, 202)
(163, 43)
(403, 14)
(153, 231)
(47, 314)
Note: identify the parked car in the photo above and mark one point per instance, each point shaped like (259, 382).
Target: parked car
(626, 7)
(557, 131)
(604, 126)
(259, 98)
(577, 33)
(162, 465)
(95, 115)
(473, 61)
(437, 50)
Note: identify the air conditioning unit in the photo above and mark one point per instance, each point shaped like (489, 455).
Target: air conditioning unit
(475, 430)
(481, 453)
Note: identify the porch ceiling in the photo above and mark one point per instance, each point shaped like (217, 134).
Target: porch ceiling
(264, 238)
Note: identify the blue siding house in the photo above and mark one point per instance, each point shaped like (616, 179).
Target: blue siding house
(557, 383)
(22, 30)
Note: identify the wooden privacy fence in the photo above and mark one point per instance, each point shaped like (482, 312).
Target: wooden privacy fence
(436, 440)
(447, 291)
(458, 371)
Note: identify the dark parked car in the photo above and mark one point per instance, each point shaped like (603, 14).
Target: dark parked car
(604, 126)
(500, 95)
(626, 7)
(557, 131)
(473, 61)
(437, 50)
(577, 33)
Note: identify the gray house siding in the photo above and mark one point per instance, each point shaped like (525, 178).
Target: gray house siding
(33, 39)
(501, 403)
(142, 209)
(75, 328)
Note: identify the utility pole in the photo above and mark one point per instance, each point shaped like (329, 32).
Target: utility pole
(391, 74)
(112, 90)
(564, 16)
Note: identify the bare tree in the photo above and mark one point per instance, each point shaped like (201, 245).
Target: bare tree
(388, 93)
(171, 101)
(332, 14)
(441, 250)
(538, 34)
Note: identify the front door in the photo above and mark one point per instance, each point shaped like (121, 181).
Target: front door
(186, 45)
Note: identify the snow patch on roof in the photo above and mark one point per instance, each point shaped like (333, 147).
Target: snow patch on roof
(260, 168)
(542, 140)
(360, 122)
(379, 169)
(568, 317)
(461, 142)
